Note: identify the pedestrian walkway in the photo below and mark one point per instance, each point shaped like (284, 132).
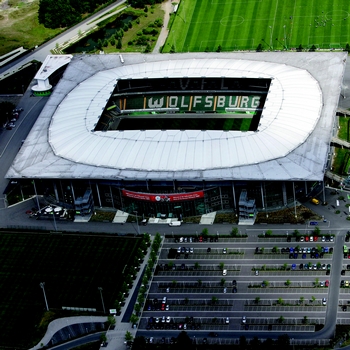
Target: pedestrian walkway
(115, 337)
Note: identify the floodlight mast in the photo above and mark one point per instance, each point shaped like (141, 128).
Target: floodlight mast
(42, 285)
(103, 304)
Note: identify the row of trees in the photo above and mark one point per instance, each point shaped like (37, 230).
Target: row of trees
(65, 13)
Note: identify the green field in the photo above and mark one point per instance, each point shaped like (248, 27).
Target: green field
(72, 267)
(203, 25)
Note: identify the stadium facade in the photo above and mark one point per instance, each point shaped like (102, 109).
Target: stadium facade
(185, 134)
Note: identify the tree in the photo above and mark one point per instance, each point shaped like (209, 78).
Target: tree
(317, 282)
(255, 343)
(219, 48)
(312, 48)
(103, 337)
(301, 300)
(128, 336)
(137, 308)
(313, 298)
(283, 341)
(317, 230)
(234, 231)
(280, 301)
(257, 300)
(112, 42)
(296, 232)
(259, 48)
(266, 283)
(99, 44)
(222, 282)
(347, 47)
(184, 341)
(205, 232)
(172, 49)
(196, 266)
(119, 43)
(243, 342)
(148, 48)
(268, 233)
(288, 283)
(221, 265)
(133, 319)
(199, 282)
(300, 48)
(111, 320)
(305, 320)
(214, 300)
(281, 319)
(61, 13)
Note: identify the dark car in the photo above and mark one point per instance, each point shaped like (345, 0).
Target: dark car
(342, 272)
(209, 250)
(234, 290)
(234, 283)
(213, 334)
(289, 239)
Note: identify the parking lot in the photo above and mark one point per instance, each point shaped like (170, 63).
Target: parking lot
(217, 284)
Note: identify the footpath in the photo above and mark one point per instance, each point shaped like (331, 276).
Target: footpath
(116, 336)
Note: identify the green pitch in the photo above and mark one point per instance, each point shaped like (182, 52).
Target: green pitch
(204, 25)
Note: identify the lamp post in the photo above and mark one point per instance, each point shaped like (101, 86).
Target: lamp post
(137, 221)
(42, 285)
(103, 304)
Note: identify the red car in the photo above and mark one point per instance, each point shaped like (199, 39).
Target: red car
(315, 238)
(163, 307)
(306, 238)
(326, 283)
(200, 239)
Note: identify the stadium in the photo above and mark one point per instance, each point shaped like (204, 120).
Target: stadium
(178, 135)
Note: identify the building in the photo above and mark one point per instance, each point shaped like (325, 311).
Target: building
(185, 134)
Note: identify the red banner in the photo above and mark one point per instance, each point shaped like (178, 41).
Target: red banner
(152, 197)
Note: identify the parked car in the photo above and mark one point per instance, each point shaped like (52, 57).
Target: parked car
(224, 272)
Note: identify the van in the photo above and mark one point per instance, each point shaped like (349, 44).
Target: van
(175, 223)
(315, 201)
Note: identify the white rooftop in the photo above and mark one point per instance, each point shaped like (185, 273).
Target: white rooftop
(292, 141)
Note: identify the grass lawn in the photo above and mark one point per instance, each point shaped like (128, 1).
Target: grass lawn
(203, 25)
(19, 26)
(72, 267)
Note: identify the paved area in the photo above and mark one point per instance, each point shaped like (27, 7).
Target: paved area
(168, 9)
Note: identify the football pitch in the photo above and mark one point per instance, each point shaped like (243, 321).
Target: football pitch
(204, 25)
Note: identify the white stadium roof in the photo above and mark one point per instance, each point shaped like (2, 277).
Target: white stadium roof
(292, 141)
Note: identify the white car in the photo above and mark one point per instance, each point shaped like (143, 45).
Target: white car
(224, 251)
(323, 239)
(225, 290)
(167, 308)
(175, 223)
(244, 319)
(191, 250)
(224, 272)
(311, 238)
(227, 320)
(324, 301)
(168, 319)
(331, 239)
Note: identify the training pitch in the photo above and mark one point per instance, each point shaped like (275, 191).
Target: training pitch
(72, 267)
(204, 25)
